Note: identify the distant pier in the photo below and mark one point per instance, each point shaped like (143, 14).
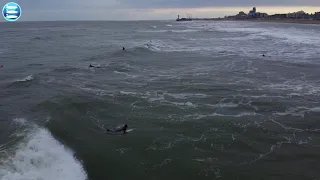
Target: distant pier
(189, 18)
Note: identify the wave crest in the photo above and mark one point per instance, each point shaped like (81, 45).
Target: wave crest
(41, 156)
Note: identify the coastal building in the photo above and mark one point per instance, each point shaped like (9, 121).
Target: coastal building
(241, 15)
(278, 16)
(261, 15)
(297, 15)
(317, 15)
(252, 12)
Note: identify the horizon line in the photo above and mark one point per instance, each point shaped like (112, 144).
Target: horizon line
(84, 20)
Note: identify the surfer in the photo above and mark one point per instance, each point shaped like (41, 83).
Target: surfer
(123, 48)
(94, 66)
(124, 129)
(264, 55)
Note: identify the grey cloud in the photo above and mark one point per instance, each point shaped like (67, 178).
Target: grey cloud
(139, 9)
(215, 3)
(142, 4)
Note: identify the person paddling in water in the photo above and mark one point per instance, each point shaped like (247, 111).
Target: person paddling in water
(124, 129)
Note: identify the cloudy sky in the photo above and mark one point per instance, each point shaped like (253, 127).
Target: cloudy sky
(42, 10)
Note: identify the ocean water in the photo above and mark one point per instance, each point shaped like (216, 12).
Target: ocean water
(201, 99)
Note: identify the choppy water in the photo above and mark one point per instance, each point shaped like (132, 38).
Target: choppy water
(202, 100)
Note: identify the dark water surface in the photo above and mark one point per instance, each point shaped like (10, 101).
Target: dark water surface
(201, 99)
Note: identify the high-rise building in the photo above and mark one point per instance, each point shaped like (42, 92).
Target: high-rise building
(254, 10)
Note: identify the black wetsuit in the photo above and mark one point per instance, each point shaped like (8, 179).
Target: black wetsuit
(94, 66)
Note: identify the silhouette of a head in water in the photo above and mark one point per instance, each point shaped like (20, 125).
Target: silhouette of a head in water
(123, 48)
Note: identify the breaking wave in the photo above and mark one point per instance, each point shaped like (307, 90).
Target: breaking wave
(40, 156)
(28, 78)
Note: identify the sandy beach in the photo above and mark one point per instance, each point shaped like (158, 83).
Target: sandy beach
(300, 21)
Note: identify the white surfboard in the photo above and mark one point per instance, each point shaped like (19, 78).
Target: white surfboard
(129, 130)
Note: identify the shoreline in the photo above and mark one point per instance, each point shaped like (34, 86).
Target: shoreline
(298, 21)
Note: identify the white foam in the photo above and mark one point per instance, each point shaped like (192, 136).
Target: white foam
(294, 94)
(41, 157)
(128, 93)
(209, 159)
(28, 78)
(297, 86)
(126, 74)
(77, 74)
(186, 104)
(20, 121)
(315, 109)
(186, 95)
(224, 105)
(2, 50)
(171, 31)
(297, 111)
(169, 25)
(98, 92)
(160, 45)
(151, 97)
(201, 116)
(291, 35)
(303, 142)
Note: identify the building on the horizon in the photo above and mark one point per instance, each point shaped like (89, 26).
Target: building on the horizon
(317, 15)
(277, 16)
(241, 15)
(261, 15)
(297, 15)
(252, 12)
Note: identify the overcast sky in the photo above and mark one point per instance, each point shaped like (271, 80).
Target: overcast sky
(41, 10)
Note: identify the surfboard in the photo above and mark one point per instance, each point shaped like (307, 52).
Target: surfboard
(119, 132)
(129, 130)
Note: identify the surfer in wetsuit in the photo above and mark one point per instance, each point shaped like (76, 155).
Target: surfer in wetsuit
(123, 48)
(94, 66)
(124, 129)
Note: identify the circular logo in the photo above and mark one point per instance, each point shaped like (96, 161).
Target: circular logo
(11, 11)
